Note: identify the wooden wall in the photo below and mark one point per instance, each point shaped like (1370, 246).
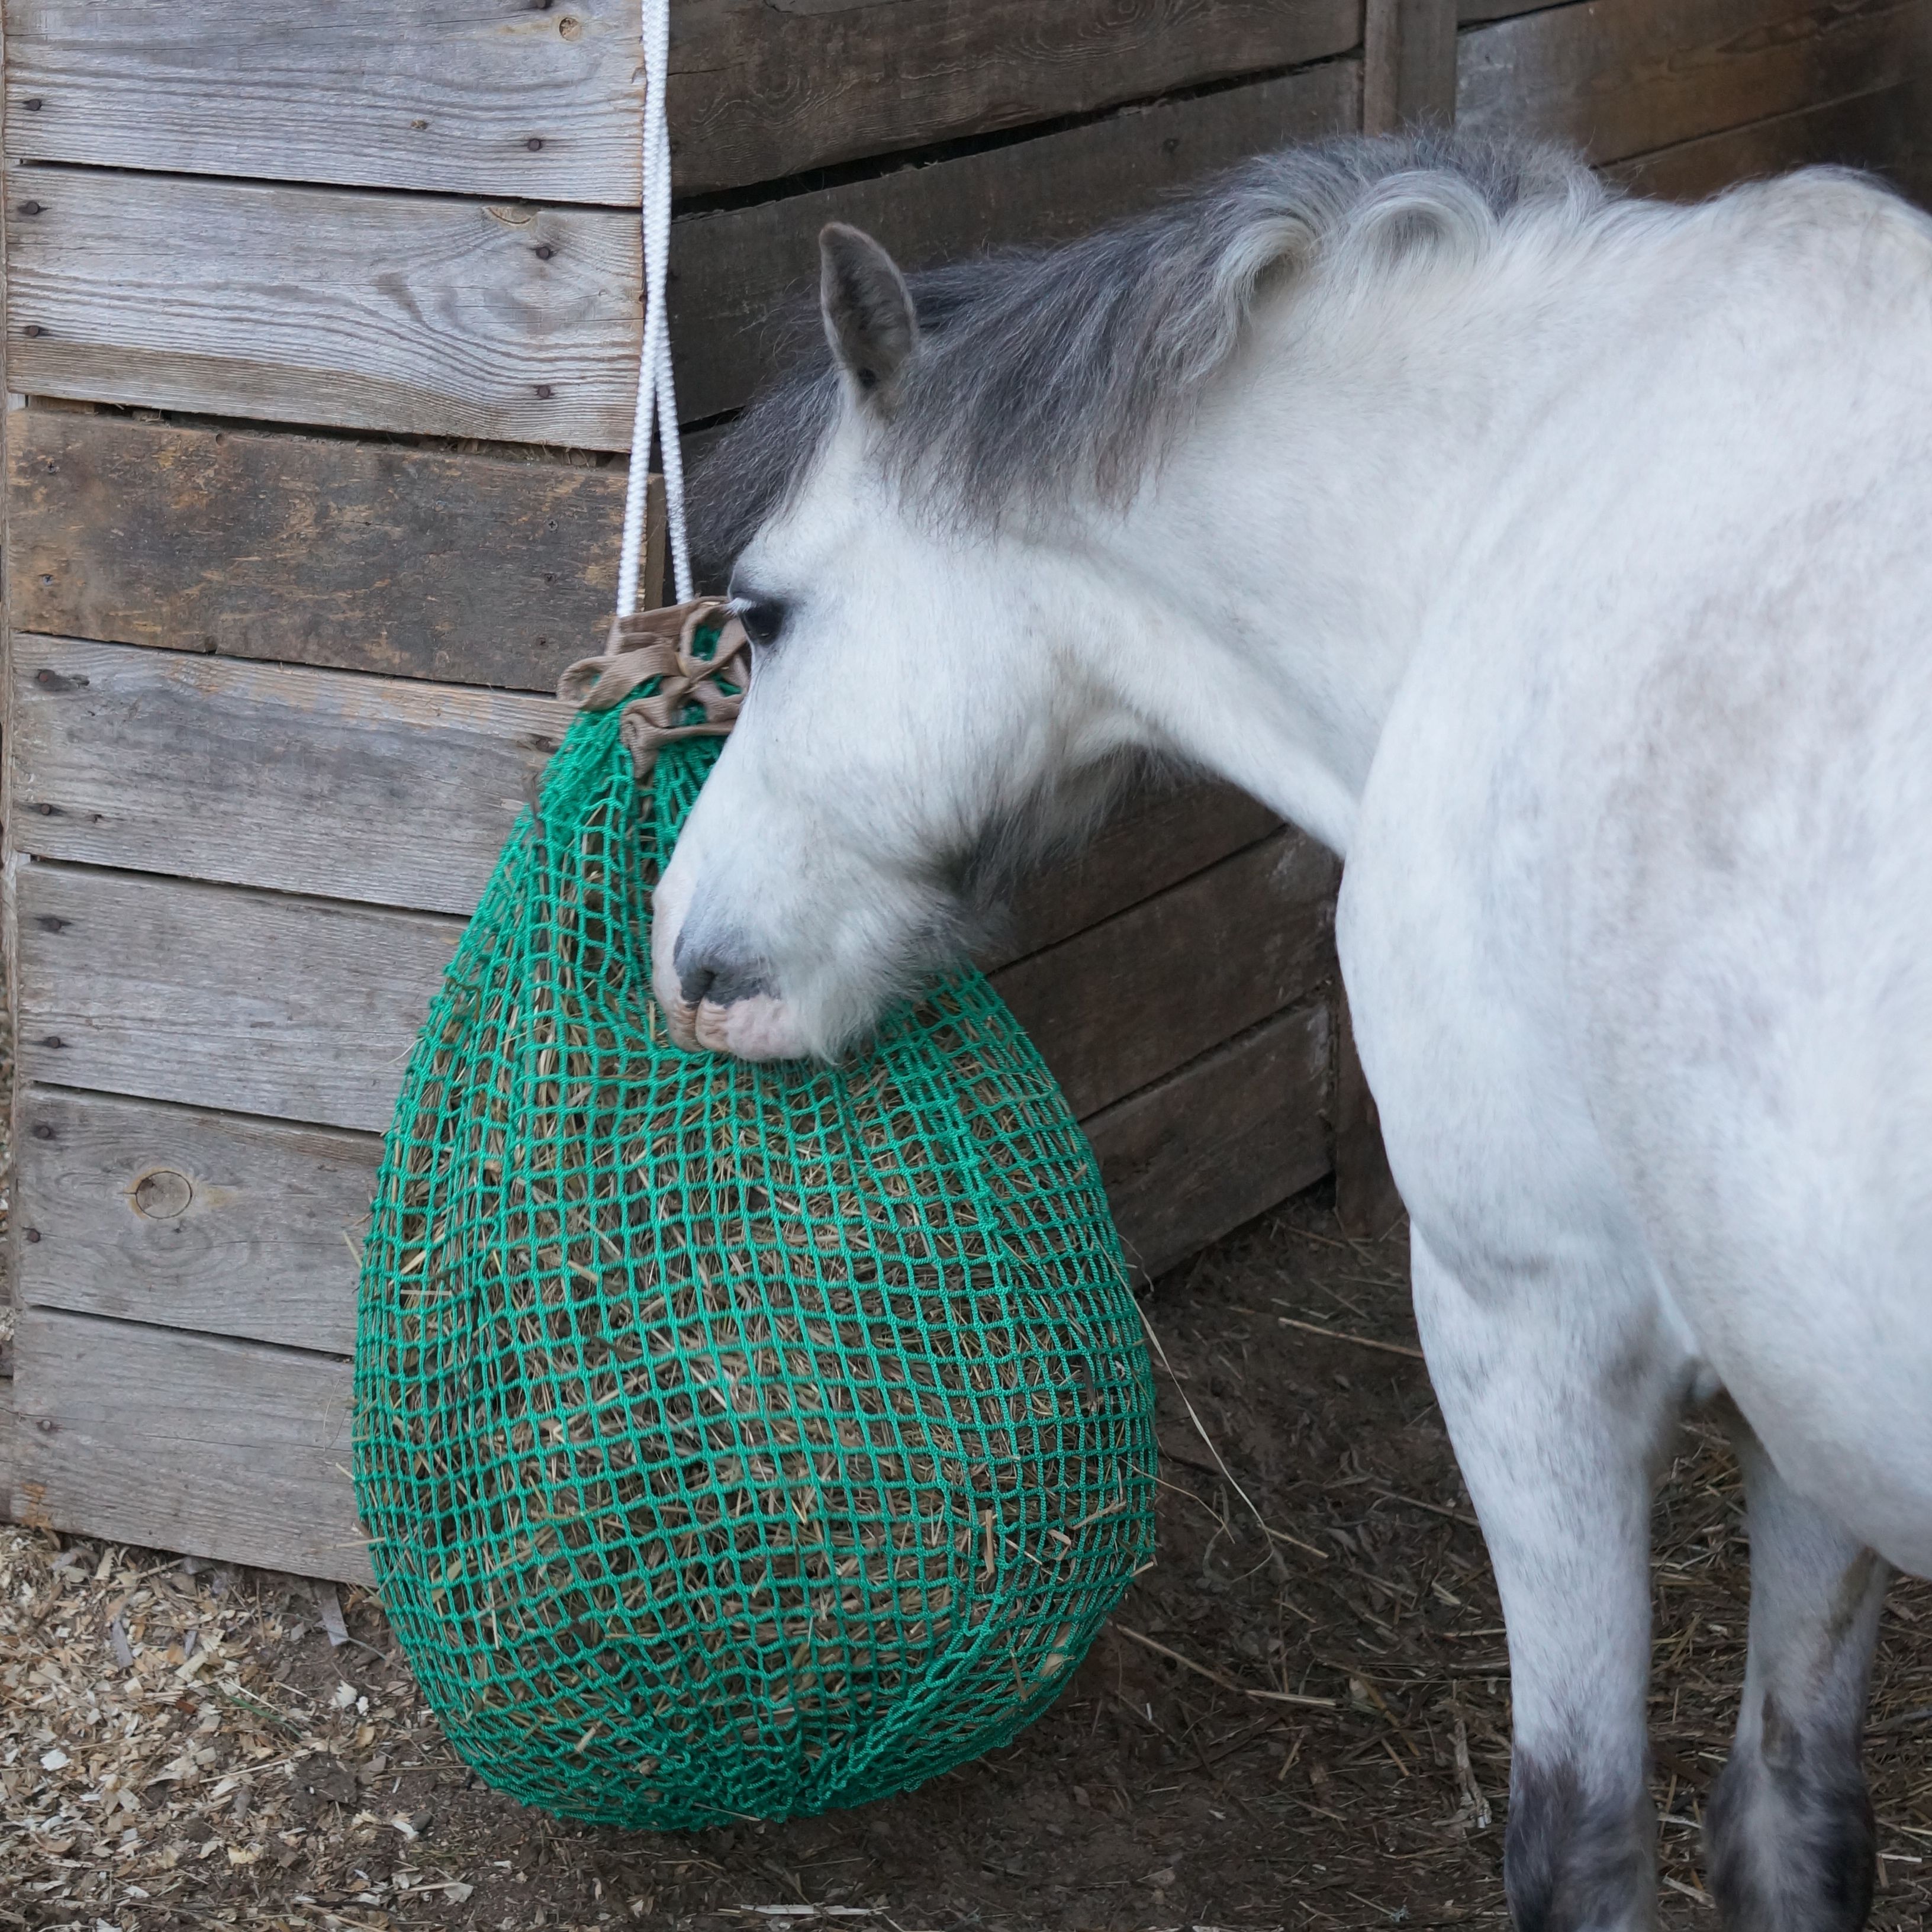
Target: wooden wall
(321, 323)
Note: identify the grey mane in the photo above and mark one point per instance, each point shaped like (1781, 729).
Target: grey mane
(1039, 369)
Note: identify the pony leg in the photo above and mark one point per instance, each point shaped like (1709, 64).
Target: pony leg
(1559, 1394)
(1793, 1846)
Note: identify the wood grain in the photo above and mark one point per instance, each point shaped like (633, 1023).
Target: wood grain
(181, 1219)
(1882, 131)
(1409, 64)
(255, 1003)
(187, 1442)
(1154, 841)
(313, 550)
(489, 97)
(1118, 1006)
(328, 782)
(511, 321)
(304, 1010)
(323, 782)
(365, 310)
(736, 270)
(1622, 77)
(1221, 1141)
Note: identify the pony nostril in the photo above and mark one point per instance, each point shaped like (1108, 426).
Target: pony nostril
(709, 973)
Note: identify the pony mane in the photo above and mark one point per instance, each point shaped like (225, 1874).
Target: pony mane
(1040, 370)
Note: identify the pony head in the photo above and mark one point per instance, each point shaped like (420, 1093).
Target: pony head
(918, 728)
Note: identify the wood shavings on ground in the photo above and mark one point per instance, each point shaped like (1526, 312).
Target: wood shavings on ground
(182, 1746)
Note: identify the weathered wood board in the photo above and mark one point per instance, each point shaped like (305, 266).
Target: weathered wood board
(1619, 78)
(348, 787)
(1220, 1141)
(507, 320)
(518, 322)
(1409, 64)
(182, 1219)
(190, 1442)
(1134, 997)
(1871, 130)
(397, 793)
(303, 1009)
(311, 550)
(738, 268)
(493, 96)
(256, 1003)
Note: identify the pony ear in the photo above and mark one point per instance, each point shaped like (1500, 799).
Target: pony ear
(869, 319)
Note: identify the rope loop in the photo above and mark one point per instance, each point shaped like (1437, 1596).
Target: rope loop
(695, 659)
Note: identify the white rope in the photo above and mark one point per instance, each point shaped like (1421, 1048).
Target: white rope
(655, 396)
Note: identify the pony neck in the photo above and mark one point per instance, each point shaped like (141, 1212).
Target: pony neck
(1271, 585)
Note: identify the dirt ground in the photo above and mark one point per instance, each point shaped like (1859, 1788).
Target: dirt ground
(183, 1745)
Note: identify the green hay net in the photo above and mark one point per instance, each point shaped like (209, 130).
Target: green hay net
(733, 1440)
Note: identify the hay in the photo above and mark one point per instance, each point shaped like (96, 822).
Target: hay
(733, 1440)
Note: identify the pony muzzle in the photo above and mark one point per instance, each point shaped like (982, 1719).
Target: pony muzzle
(714, 997)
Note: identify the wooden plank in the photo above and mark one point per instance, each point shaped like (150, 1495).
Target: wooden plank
(324, 782)
(514, 322)
(302, 1009)
(1152, 842)
(492, 96)
(187, 1442)
(1119, 1005)
(366, 310)
(1409, 64)
(218, 1223)
(1870, 130)
(180, 1219)
(311, 550)
(1214, 1145)
(1623, 77)
(736, 269)
(259, 1004)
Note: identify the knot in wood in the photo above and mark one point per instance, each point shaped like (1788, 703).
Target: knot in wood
(681, 672)
(163, 1195)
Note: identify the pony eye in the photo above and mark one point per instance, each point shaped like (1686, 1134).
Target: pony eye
(762, 618)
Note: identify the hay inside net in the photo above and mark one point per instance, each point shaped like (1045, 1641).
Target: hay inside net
(732, 1440)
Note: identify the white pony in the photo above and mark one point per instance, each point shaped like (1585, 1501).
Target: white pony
(1565, 562)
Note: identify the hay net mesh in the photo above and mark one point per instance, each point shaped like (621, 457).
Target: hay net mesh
(732, 1440)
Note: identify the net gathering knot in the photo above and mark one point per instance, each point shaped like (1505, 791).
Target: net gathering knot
(695, 657)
